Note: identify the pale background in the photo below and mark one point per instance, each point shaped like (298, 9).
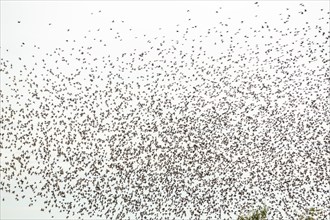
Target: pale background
(142, 17)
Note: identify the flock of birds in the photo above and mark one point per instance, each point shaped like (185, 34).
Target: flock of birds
(172, 132)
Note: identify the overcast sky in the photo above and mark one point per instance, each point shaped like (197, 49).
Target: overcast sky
(54, 24)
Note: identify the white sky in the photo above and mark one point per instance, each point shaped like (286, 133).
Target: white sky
(142, 17)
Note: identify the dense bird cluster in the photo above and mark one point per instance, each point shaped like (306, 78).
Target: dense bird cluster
(174, 130)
